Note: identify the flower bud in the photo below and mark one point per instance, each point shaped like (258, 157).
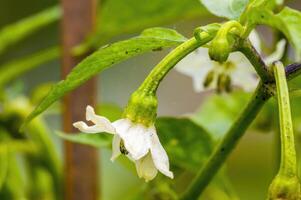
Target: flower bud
(142, 108)
(219, 49)
(284, 188)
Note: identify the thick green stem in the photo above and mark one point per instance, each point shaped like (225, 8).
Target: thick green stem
(254, 57)
(286, 184)
(153, 80)
(229, 142)
(288, 166)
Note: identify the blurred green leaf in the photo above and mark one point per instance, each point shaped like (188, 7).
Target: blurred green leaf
(187, 143)
(14, 69)
(231, 9)
(136, 15)
(3, 165)
(18, 146)
(218, 112)
(96, 140)
(17, 31)
(14, 186)
(110, 111)
(106, 57)
(38, 133)
(40, 92)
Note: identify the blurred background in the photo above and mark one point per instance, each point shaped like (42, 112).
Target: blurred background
(250, 167)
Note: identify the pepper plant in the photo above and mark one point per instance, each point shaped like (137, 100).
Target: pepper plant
(149, 141)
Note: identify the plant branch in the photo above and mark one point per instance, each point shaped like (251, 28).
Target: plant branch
(263, 92)
(228, 143)
(254, 57)
(288, 152)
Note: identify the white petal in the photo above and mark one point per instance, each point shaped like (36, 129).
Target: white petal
(134, 136)
(115, 147)
(83, 127)
(255, 40)
(196, 65)
(145, 168)
(247, 82)
(159, 154)
(99, 121)
(277, 55)
(197, 83)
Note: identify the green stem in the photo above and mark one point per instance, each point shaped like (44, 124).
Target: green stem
(228, 143)
(228, 26)
(153, 80)
(254, 57)
(288, 166)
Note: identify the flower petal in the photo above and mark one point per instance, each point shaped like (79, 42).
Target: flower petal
(159, 154)
(255, 40)
(196, 65)
(115, 147)
(277, 54)
(135, 138)
(145, 168)
(83, 127)
(103, 123)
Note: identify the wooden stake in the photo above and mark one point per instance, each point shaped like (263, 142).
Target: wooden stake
(81, 163)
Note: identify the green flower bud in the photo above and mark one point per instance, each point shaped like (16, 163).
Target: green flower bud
(142, 108)
(284, 188)
(219, 49)
(209, 79)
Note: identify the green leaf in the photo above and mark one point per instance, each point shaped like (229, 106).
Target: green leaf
(110, 111)
(218, 112)
(104, 58)
(163, 33)
(18, 146)
(231, 9)
(286, 21)
(96, 140)
(14, 69)
(3, 165)
(187, 143)
(136, 15)
(15, 32)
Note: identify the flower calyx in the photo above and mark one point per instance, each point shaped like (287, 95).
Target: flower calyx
(142, 108)
(284, 187)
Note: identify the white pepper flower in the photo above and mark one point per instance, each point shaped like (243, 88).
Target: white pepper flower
(139, 142)
(237, 70)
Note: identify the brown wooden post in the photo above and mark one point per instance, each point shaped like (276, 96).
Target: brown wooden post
(81, 163)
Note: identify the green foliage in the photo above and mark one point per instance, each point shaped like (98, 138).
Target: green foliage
(3, 165)
(287, 21)
(44, 153)
(96, 140)
(136, 15)
(231, 9)
(13, 33)
(14, 69)
(219, 112)
(187, 143)
(110, 111)
(106, 57)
